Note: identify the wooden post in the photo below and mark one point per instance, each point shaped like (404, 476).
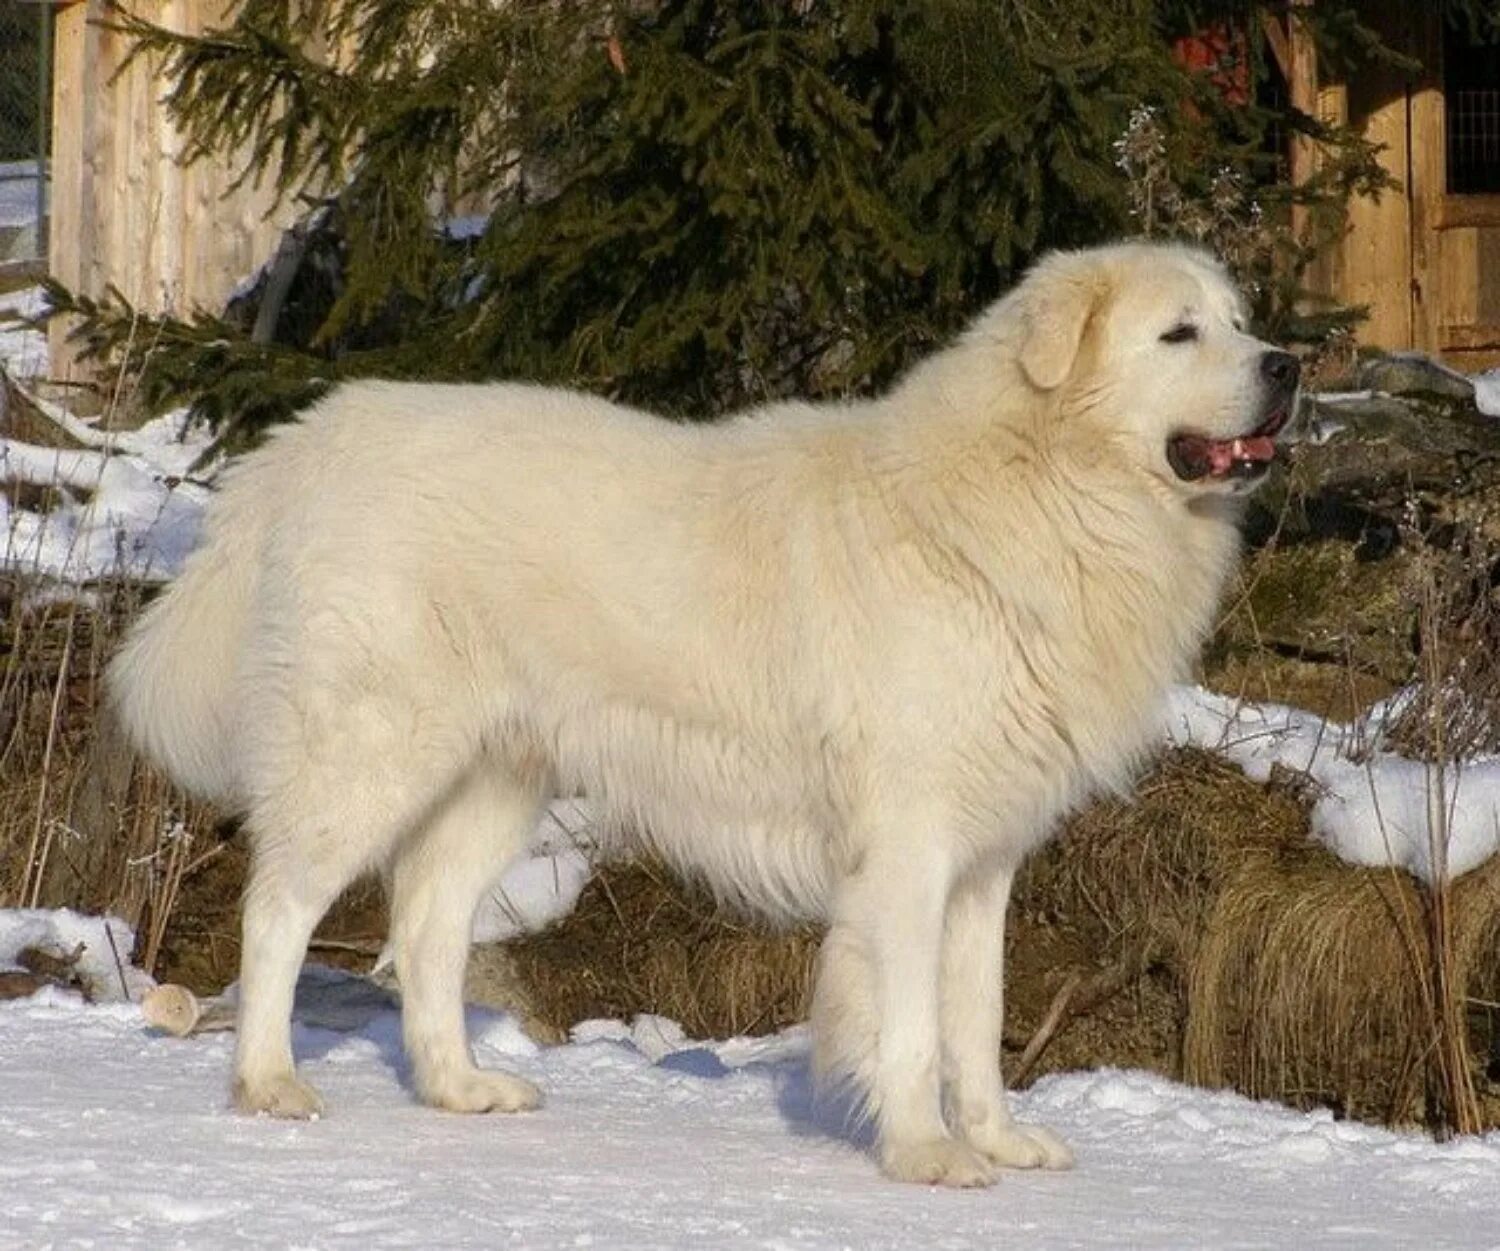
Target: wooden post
(71, 242)
(1427, 183)
(1302, 82)
(126, 213)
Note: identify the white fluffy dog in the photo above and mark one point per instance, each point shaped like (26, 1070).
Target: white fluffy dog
(847, 661)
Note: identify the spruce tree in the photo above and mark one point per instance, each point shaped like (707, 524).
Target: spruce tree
(690, 204)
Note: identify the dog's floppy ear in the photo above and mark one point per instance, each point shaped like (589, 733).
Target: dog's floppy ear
(1066, 293)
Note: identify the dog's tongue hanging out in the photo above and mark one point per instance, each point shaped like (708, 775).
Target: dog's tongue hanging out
(1196, 456)
(1224, 453)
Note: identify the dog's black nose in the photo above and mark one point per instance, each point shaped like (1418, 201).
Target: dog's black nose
(1280, 369)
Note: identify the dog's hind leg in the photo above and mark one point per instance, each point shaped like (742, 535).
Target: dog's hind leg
(299, 865)
(336, 777)
(973, 1011)
(439, 875)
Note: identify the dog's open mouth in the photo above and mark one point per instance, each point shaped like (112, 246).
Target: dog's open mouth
(1194, 457)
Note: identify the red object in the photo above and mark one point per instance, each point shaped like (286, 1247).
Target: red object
(1220, 52)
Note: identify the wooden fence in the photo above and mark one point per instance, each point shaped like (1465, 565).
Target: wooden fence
(125, 213)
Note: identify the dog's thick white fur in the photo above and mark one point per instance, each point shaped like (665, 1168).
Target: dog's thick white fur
(848, 662)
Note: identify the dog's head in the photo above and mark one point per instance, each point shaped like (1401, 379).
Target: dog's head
(1145, 346)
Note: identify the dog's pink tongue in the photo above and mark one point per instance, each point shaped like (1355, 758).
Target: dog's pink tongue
(1222, 453)
(1260, 447)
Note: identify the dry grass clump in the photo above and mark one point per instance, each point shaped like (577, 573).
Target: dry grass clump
(642, 941)
(82, 824)
(1311, 984)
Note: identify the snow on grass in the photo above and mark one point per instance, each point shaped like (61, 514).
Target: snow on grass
(1374, 807)
(124, 508)
(120, 1138)
(121, 507)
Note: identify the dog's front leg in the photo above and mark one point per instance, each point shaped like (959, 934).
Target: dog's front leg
(880, 977)
(973, 1011)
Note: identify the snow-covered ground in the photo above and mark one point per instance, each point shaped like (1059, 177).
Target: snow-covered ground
(544, 886)
(118, 1137)
(125, 510)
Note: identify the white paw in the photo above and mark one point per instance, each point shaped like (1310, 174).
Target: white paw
(1011, 1145)
(936, 1162)
(284, 1095)
(477, 1090)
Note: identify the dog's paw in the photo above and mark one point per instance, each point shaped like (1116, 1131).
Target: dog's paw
(478, 1090)
(285, 1096)
(936, 1162)
(1010, 1145)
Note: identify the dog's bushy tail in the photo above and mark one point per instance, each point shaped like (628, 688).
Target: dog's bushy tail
(171, 684)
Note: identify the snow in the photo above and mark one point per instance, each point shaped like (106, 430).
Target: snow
(121, 1138)
(126, 511)
(102, 944)
(542, 887)
(126, 508)
(17, 193)
(465, 227)
(1487, 392)
(1374, 807)
(23, 352)
(18, 210)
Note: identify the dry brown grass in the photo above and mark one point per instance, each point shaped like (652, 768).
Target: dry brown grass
(81, 824)
(642, 941)
(1312, 984)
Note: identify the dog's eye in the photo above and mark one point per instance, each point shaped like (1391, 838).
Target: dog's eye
(1183, 333)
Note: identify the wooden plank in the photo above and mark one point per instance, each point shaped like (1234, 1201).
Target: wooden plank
(73, 239)
(1376, 257)
(1374, 262)
(1487, 306)
(1428, 176)
(1471, 337)
(168, 144)
(1276, 40)
(1457, 211)
(1455, 291)
(1302, 84)
(1325, 274)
